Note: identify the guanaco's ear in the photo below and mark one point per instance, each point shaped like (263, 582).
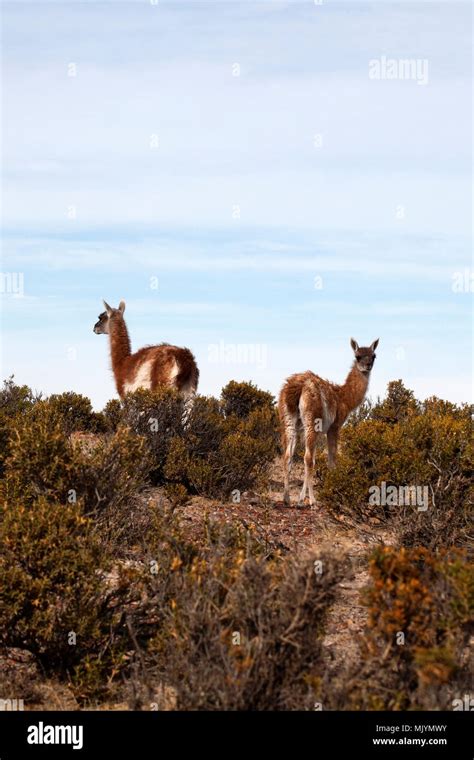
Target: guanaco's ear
(355, 345)
(375, 344)
(108, 308)
(122, 306)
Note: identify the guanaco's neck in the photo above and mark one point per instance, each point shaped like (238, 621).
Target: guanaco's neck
(120, 346)
(353, 391)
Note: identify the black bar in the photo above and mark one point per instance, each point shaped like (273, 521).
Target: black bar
(166, 734)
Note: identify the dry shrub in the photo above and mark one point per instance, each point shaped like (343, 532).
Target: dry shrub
(15, 400)
(55, 601)
(108, 482)
(219, 456)
(113, 415)
(241, 399)
(447, 522)
(50, 585)
(212, 451)
(158, 417)
(74, 413)
(413, 446)
(229, 628)
(413, 654)
(44, 462)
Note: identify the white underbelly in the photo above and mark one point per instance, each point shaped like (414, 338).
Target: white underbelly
(142, 378)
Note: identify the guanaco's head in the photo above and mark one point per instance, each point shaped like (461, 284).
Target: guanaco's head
(102, 327)
(364, 356)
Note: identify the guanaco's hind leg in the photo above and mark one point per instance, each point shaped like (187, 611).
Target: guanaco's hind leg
(289, 438)
(309, 457)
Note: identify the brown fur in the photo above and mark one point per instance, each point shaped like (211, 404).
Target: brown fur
(170, 366)
(311, 404)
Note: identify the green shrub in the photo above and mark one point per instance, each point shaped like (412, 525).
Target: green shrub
(246, 453)
(208, 453)
(158, 417)
(430, 448)
(50, 583)
(74, 413)
(220, 455)
(363, 460)
(44, 462)
(56, 600)
(40, 461)
(240, 399)
(398, 405)
(14, 400)
(112, 414)
(437, 406)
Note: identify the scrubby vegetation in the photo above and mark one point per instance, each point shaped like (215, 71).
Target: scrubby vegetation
(74, 413)
(399, 442)
(14, 401)
(103, 582)
(228, 626)
(415, 654)
(222, 447)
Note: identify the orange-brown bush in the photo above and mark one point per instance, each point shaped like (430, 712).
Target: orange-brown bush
(414, 654)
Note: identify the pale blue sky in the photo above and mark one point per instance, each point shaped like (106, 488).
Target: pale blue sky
(365, 184)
